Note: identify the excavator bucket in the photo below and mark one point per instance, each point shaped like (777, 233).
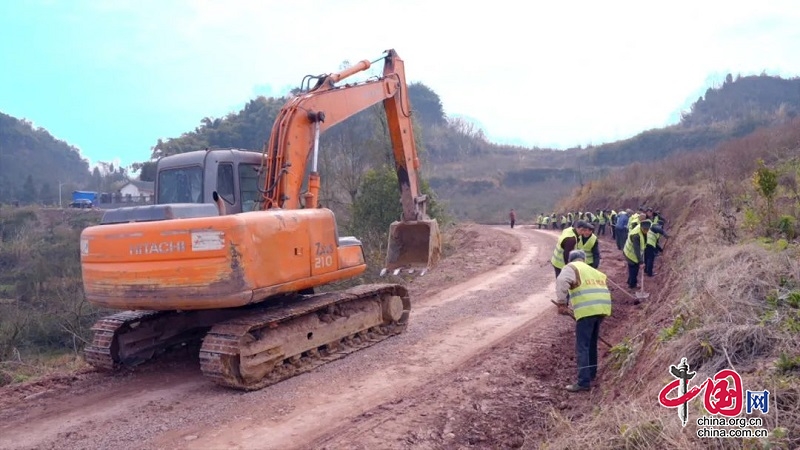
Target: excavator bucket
(413, 245)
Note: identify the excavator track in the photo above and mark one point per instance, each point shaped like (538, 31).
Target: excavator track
(129, 338)
(104, 351)
(256, 350)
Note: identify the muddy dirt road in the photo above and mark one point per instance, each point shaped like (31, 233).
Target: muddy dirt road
(496, 285)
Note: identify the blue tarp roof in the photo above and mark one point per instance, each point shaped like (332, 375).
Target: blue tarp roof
(91, 195)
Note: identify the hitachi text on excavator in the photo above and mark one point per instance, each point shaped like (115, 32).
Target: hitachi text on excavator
(231, 250)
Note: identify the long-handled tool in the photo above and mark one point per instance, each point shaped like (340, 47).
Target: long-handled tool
(642, 295)
(600, 338)
(621, 289)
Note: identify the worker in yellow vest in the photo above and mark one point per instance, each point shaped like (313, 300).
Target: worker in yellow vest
(652, 248)
(585, 289)
(569, 240)
(649, 215)
(588, 242)
(601, 222)
(635, 218)
(539, 221)
(612, 222)
(658, 219)
(634, 251)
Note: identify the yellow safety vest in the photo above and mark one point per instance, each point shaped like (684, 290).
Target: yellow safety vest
(587, 248)
(539, 219)
(602, 218)
(591, 296)
(633, 221)
(635, 233)
(558, 254)
(652, 238)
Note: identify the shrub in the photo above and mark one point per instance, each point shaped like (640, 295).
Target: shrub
(786, 226)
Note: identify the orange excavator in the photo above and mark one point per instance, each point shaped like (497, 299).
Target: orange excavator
(232, 249)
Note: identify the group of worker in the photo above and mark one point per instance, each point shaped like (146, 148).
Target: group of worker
(582, 286)
(599, 218)
(578, 232)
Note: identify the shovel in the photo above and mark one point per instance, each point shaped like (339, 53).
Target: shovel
(642, 295)
(600, 338)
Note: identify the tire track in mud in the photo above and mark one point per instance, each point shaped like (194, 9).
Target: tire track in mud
(445, 332)
(170, 405)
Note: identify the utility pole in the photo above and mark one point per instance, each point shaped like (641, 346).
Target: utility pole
(60, 205)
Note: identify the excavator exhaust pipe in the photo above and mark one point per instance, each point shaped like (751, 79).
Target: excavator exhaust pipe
(413, 245)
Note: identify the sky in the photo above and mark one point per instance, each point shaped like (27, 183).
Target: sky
(111, 77)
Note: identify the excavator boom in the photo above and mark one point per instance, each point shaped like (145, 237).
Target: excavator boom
(414, 241)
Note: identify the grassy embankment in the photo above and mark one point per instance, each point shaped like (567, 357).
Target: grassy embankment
(44, 319)
(730, 299)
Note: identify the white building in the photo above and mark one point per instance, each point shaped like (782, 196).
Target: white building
(137, 190)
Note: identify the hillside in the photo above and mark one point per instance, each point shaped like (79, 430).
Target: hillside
(26, 152)
(477, 179)
(728, 290)
(480, 180)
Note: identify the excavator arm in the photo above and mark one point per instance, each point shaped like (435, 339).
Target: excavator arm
(414, 241)
(295, 135)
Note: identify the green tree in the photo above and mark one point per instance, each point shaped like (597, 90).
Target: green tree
(248, 129)
(378, 205)
(97, 179)
(426, 104)
(28, 193)
(48, 194)
(147, 170)
(765, 181)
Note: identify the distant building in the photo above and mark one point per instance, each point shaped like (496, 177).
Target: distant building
(135, 190)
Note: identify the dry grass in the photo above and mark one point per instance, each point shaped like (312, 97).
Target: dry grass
(19, 370)
(730, 300)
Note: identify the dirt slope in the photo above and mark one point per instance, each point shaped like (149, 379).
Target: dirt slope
(505, 396)
(481, 364)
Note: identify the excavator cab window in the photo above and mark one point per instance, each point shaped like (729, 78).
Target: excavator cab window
(225, 183)
(249, 182)
(182, 185)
